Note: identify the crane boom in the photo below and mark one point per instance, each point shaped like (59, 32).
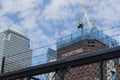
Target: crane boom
(86, 15)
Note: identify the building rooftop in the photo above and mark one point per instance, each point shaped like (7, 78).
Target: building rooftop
(8, 31)
(86, 34)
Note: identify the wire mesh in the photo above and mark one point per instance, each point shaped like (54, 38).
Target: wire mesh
(110, 71)
(85, 72)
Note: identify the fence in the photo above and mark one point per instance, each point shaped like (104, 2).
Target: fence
(86, 34)
(90, 66)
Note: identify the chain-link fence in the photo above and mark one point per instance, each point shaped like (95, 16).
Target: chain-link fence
(102, 70)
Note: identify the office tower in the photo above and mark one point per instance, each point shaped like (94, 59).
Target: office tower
(51, 56)
(15, 47)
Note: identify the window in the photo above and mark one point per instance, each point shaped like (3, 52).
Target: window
(3, 36)
(88, 45)
(91, 41)
(91, 45)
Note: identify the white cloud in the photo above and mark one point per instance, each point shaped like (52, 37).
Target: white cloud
(12, 6)
(57, 18)
(58, 9)
(108, 12)
(28, 12)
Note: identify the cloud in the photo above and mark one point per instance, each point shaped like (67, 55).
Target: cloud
(107, 15)
(45, 21)
(13, 6)
(27, 11)
(59, 10)
(107, 12)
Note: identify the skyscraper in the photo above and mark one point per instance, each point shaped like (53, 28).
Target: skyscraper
(15, 47)
(51, 56)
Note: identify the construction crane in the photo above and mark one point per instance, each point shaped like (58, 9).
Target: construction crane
(111, 70)
(86, 17)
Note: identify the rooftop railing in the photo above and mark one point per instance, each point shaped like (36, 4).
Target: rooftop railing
(86, 34)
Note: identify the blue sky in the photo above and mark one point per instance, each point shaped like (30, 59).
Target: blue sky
(44, 21)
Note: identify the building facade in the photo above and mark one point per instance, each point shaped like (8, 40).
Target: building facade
(51, 56)
(86, 41)
(15, 48)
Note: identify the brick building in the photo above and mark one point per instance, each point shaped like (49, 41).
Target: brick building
(86, 41)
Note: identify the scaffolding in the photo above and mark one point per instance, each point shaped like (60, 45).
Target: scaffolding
(92, 33)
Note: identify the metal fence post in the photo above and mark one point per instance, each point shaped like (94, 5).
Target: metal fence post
(101, 70)
(61, 73)
(3, 64)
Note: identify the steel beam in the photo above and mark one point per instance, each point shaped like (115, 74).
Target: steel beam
(101, 70)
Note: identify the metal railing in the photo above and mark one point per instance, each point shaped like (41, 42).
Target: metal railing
(86, 34)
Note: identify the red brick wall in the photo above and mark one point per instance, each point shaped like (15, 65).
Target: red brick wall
(85, 46)
(85, 72)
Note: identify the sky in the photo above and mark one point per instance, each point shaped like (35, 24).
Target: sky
(44, 21)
